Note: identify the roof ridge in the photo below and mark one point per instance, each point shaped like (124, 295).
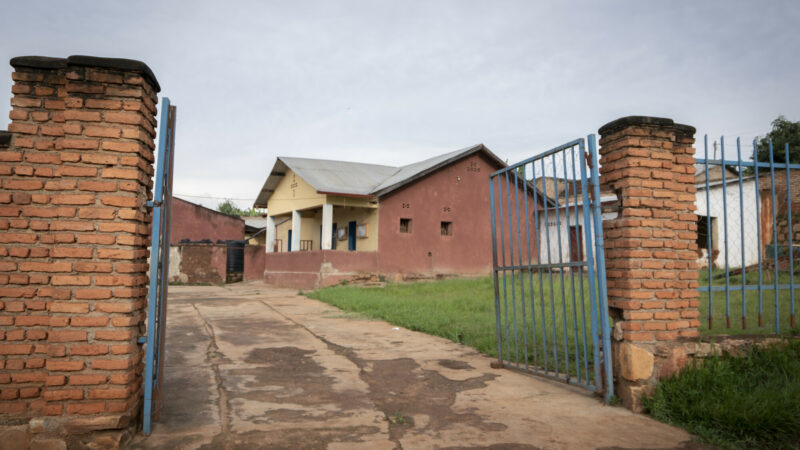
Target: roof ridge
(336, 161)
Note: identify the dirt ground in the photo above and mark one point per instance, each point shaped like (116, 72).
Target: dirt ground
(250, 366)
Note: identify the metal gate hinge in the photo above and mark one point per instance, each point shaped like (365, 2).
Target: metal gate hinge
(151, 204)
(588, 160)
(142, 340)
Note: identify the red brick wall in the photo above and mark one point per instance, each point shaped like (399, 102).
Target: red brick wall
(650, 250)
(311, 270)
(458, 193)
(195, 222)
(651, 256)
(254, 256)
(73, 240)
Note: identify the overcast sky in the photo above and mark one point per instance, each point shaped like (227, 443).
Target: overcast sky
(394, 82)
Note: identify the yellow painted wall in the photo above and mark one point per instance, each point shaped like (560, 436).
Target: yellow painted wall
(282, 230)
(343, 215)
(311, 221)
(293, 193)
(361, 202)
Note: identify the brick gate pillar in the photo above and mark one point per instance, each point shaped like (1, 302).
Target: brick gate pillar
(73, 237)
(651, 248)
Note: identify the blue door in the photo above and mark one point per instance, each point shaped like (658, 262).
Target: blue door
(290, 241)
(351, 236)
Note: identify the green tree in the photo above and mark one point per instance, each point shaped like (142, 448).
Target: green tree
(230, 208)
(783, 132)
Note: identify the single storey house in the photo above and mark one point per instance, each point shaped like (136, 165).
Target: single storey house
(329, 221)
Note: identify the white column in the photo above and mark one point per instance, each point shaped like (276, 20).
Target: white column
(270, 234)
(327, 226)
(296, 230)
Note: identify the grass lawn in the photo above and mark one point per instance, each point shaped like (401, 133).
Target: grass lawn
(737, 403)
(733, 306)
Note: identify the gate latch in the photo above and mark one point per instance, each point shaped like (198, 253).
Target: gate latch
(588, 160)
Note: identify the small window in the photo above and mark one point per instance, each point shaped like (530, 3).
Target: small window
(447, 228)
(405, 225)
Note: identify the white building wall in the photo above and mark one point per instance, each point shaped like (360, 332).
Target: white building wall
(739, 228)
(561, 228)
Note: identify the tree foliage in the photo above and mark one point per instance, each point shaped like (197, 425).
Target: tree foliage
(783, 132)
(230, 208)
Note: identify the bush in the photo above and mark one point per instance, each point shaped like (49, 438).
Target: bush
(746, 402)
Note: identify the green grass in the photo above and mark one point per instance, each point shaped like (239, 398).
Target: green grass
(461, 310)
(751, 301)
(737, 403)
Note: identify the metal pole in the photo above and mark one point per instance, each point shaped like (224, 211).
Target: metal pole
(601, 271)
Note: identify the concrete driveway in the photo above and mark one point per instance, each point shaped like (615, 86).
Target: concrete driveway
(250, 366)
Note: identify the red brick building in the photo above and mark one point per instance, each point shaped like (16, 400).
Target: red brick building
(333, 220)
(196, 223)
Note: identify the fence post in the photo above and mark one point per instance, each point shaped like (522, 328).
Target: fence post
(651, 249)
(73, 231)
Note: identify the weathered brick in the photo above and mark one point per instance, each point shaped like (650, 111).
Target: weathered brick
(69, 307)
(83, 321)
(69, 252)
(88, 350)
(52, 395)
(93, 294)
(64, 366)
(16, 349)
(83, 380)
(67, 336)
(86, 408)
(113, 335)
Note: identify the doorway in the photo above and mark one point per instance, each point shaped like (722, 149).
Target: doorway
(351, 236)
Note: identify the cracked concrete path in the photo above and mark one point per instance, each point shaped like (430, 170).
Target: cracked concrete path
(250, 366)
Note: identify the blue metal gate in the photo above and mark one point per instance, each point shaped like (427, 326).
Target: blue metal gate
(549, 267)
(746, 238)
(159, 266)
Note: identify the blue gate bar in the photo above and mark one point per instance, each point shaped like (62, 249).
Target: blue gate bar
(155, 260)
(571, 272)
(601, 271)
(790, 233)
(725, 231)
(708, 233)
(494, 272)
(511, 259)
(539, 259)
(774, 234)
(503, 254)
(521, 278)
(741, 232)
(580, 267)
(758, 237)
(557, 213)
(590, 267)
(549, 269)
(535, 349)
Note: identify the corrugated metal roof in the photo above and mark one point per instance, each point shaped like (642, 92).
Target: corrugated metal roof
(339, 177)
(351, 178)
(411, 172)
